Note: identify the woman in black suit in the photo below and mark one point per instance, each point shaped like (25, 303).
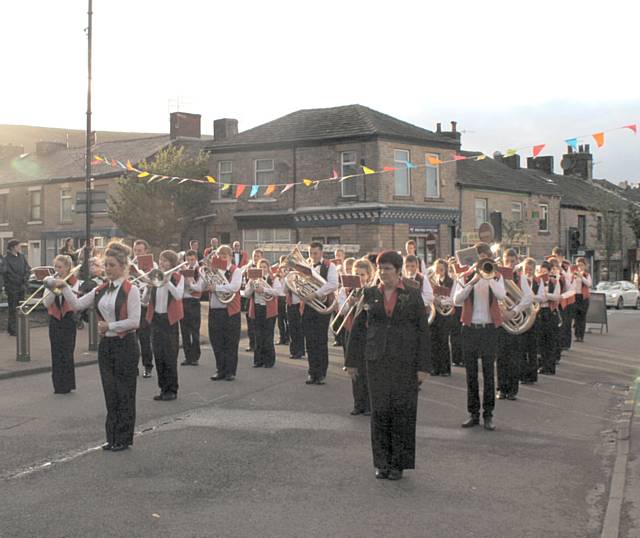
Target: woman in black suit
(390, 334)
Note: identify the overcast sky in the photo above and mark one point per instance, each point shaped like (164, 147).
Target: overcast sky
(511, 73)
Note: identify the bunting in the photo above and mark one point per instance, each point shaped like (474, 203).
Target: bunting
(254, 191)
(599, 138)
(240, 189)
(368, 171)
(538, 149)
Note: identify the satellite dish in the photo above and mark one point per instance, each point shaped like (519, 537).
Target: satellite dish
(566, 163)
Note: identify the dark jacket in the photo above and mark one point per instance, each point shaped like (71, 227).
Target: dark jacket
(15, 272)
(404, 337)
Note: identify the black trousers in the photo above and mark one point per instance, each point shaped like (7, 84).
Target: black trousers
(581, 307)
(359, 385)
(440, 354)
(296, 334)
(251, 332)
(144, 338)
(190, 329)
(283, 322)
(456, 337)
(118, 362)
(14, 298)
(264, 353)
(164, 340)
(529, 370)
(509, 361)
(567, 314)
(62, 336)
(549, 340)
(224, 333)
(316, 328)
(480, 343)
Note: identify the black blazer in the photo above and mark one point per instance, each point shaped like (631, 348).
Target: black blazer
(404, 337)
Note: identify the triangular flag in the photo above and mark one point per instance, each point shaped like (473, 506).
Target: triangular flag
(269, 190)
(121, 164)
(287, 187)
(153, 178)
(572, 142)
(459, 158)
(240, 189)
(95, 162)
(173, 178)
(632, 127)
(130, 166)
(143, 174)
(98, 158)
(538, 149)
(410, 165)
(315, 185)
(334, 174)
(164, 177)
(211, 179)
(599, 138)
(390, 169)
(225, 186)
(345, 177)
(254, 190)
(368, 171)
(434, 160)
(114, 163)
(511, 152)
(307, 182)
(481, 157)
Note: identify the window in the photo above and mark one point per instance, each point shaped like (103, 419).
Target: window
(402, 176)
(4, 209)
(516, 211)
(252, 239)
(582, 228)
(544, 218)
(265, 172)
(481, 211)
(66, 200)
(35, 203)
(599, 227)
(432, 176)
(225, 175)
(348, 167)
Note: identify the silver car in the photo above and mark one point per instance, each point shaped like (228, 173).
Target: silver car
(620, 294)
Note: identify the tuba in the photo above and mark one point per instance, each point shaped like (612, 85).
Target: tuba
(305, 282)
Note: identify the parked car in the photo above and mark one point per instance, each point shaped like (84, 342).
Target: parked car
(620, 294)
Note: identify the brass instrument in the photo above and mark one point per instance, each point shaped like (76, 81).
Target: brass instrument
(48, 286)
(522, 321)
(216, 277)
(445, 308)
(156, 277)
(487, 268)
(269, 293)
(303, 284)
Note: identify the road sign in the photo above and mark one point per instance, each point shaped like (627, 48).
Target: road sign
(98, 202)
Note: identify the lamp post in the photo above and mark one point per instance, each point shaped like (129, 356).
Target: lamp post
(453, 236)
(88, 153)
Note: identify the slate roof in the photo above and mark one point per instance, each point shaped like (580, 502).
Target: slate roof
(69, 163)
(319, 124)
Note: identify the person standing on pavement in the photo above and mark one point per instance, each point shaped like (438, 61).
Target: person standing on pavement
(15, 272)
(190, 323)
(390, 334)
(141, 248)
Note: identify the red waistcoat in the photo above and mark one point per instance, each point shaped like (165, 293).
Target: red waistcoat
(54, 310)
(467, 308)
(175, 310)
(234, 306)
(122, 311)
(272, 306)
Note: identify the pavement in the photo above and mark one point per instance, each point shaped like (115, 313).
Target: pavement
(267, 455)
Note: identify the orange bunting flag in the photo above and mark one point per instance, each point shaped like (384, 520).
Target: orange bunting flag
(434, 160)
(287, 187)
(538, 149)
(211, 179)
(307, 182)
(269, 190)
(511, 152)
(389, 169)
(225, 186)
(481, 157)
(632, 127)
(599, 138)
(130, 167)
(240, 189)
(368, 170)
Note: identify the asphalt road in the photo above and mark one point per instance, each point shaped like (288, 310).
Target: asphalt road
(268, 456)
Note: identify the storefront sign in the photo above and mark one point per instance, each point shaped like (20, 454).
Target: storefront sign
(422, 230)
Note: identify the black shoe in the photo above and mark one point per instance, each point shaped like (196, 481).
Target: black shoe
(258, 365)
(356, 412)
(512, 397)
(500, 395)
(366, 413)
(217, 377)
(168, 396)
(229, 377)
(321, 381)
(249, 349)
(107, 446)
(159, 397)
(283, 343)
(488, 424)
(395, 474)
(310, 380)
(146, 374)
(382, 474)
(186, 363)
(471, 422)
(446, 374)
(118, 447)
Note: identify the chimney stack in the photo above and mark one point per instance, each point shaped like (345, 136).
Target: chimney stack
(453, 133)
(512, 161)
(47, 148)
(454, 126)
(544, 163)
(224, 128)
(184, 124)
(578, 163)
(438, 128)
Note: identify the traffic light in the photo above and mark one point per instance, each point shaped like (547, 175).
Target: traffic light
(574, 239)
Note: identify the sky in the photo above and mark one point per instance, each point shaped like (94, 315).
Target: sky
(511, 73)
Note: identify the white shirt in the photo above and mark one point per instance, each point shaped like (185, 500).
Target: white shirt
(539, 297)
(189, 284)
(481, 311)
(162, 295)
(107, 307)
(49, 296)
(579, 280)
(237, 257)
(527, 295)
(232, 287)
(259, 297)
(555, 296)
(332, 279)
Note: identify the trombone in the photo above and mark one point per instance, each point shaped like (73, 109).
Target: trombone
(156, 277)
(48, 286)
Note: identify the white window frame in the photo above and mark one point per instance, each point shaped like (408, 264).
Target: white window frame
(544, 210)
(518, 211)
(343, 173)
(256, 171)
(402, 165)
(5, 192)
(475, 211)
(428, 167)
(62, 198)
(264, 236)
(33, 220)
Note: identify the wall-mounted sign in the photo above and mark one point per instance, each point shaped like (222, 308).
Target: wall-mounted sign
(422, 230)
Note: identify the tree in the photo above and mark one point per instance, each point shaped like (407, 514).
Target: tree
(161, 212)
(633, 220)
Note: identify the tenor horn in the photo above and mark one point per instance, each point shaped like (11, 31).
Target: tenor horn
(303, 281)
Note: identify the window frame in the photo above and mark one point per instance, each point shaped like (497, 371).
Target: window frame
(62, 198)
(249, 244)
(582, 229)
(229, 192)
(343, 173)
(256, 171)
(519, 211)
(475, 211)
(436, 167)
(402, 166)
(544, 209)
(4, 219)
(32, 192)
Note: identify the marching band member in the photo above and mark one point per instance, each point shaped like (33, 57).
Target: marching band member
(457, 358)
(141, 248)
(164, 311)
(411, 249)
(224, 318)
(117, 305)
(316, 325)
(295, 307)
(481, 317)
(256, 256)
(549, 335)
(239, 257)
(529, 371)
(190, 323)
(391, 337)
(509, 349)
(344, 267)
(96, 277)
(339, 260)
(283, 324)
(412, 272)
(566, 305)
(62, 329)
(441, 326)
(213, 246)
(582, 282)
(263, 310)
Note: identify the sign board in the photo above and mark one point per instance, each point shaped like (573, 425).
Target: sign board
(469, 238)
(422, 230)
(597, 313)
(288, 247)
(98, 202)
(486, 233)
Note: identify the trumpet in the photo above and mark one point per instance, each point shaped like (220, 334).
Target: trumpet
(48, 286)
(156, 277)
(487, 268)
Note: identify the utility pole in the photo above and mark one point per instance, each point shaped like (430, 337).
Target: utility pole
(88, 156)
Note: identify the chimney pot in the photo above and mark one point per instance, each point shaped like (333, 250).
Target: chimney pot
(224, 128)
(438, 127)
(586, 148)
(454, 125)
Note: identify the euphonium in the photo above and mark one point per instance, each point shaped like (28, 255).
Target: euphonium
(216, 277)
(304, 285)
(522, 321)
(269, 292)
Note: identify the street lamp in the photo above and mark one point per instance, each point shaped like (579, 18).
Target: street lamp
(88, 155)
